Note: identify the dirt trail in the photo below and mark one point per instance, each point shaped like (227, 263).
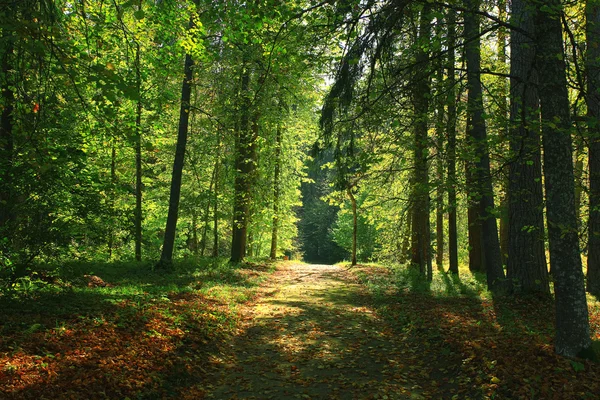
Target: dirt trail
(312, 335)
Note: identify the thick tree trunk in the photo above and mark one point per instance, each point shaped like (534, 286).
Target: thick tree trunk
(526, 265)
(276, 193)
(476, 131)
(166, 258)
(451, 132)
(354, 224)
(572, 323)
(593, 105)
(421, 255)
(503, 132)
(245, 166)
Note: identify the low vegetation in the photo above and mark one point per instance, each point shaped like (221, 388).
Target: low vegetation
(118, 330)
(491, 347)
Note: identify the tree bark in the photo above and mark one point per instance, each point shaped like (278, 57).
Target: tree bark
(440, 188)
(138, 155)
(166, 258)
(572, 323)
(420, 247)
(6, 126)
(526, 265)
(244, 165)
(276, 193)
(113, 196)
(593, 105)
(476, 131)
(451, 132)
(215, 249)
(503, 132)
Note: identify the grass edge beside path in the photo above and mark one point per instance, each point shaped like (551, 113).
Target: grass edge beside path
(133, 333)
(502, 347)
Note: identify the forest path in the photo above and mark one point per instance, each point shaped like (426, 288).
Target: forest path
(312, 335)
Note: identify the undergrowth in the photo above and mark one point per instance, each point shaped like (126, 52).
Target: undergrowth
(119, 329)
(497, 347)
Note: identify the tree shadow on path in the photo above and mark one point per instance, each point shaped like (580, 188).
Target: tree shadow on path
(316, 337)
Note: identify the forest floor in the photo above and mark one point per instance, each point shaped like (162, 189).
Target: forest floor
(296, 331)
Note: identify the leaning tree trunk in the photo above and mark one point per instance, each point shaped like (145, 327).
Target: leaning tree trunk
(476, 132)
(526, 265)
(166, 258)
(451, 131)
(276, 193)
(593, 105)
(421, 255)
(572, 323)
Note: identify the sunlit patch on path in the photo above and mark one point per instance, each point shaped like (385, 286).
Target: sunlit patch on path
(311, 334)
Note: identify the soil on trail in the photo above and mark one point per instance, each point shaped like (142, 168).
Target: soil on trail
(312, 335)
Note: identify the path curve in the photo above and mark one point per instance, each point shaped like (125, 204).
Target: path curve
(312, 335)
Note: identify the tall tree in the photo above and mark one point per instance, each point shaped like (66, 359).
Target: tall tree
(420, 249)
(593, 106)
(572, 323)
(526, 265)
(166, 257)
(276, 191)
(6, 122)
(476, 132)
(244, 167)
(138, 148)
(503, 111)
(451, 149)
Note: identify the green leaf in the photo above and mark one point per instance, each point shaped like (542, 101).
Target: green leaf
(578, 367)
(139, 14)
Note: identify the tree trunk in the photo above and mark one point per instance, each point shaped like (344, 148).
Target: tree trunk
(474, 223)
(166, 258)
(6, 127)
(194, 241)
(138, 155)
(276, 193)
(244, 165)
(572, 324)
(113, 195)
(421, 255)
(451, 131)
(206, 219)
(215, 249)
(593, 105)
(476, 131)
(503, 133)
(440, 188)
(354, 223)
(526, 265)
